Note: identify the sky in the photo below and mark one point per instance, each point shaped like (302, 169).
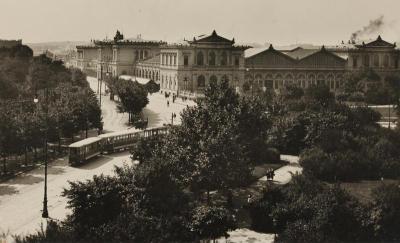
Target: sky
(248, 21)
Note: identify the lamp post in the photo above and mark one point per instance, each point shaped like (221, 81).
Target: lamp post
(45, 212)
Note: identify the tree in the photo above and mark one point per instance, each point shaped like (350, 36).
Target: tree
(308, 211)
(95, 204)
(133, 97)
(385, 212)
(320, 96)
(212, 222)
(152, 87)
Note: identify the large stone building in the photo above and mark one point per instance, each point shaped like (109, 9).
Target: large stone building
(86, 59)
(115, 57)
(273, 69)
(380, 55)
(186, 68)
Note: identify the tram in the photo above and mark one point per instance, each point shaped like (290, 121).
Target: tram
(85, 149)
(117, 141)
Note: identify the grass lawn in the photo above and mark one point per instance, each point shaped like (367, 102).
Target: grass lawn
(362, 190)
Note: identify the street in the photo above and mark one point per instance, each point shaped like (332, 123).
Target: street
(21, 199)
(156, 111)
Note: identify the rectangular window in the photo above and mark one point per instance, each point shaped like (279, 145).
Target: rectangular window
(236, 61)
(355, 64)
(185, 60)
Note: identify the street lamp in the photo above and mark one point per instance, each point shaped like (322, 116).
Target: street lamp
(45, 212)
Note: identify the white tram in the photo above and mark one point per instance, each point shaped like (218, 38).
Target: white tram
(85, 149)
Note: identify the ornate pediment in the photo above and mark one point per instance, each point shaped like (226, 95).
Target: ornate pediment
(379, 42)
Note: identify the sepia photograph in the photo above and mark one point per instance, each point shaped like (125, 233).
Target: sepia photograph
(211, 121)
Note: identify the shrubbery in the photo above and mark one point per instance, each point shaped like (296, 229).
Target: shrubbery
(306, 210)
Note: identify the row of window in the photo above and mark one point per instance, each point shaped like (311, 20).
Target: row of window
(375, 61)
(212, 59)
(168, 59)
(141, 54)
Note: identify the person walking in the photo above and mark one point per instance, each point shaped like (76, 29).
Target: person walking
(167, 103)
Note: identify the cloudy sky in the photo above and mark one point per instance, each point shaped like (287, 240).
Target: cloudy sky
(274, 21)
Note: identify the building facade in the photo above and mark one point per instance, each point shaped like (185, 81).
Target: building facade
(86, 59)
(380, 55)
(187, 68)
(273, 69)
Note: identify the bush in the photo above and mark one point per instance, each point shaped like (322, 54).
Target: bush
(342, 165)
(356, 97)
(272, 155)
(385, 212)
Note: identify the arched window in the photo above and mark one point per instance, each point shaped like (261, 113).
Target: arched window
(201, 81)
(289, 79)
(320, 79)
(301, 81)
(224, 58)
(376, 60)
(211, 58)
(311, 80)
(331, 82)
(213, 79)
(269, 82)
(278, 81)
(200, 58)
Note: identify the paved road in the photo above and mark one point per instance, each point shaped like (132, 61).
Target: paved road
(157, 110)
(21, 198)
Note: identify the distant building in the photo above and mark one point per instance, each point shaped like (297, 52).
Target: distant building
(274, 69)
(86, 58)
(114, 57)
(381, 56)
(187, 68)
(9, 43)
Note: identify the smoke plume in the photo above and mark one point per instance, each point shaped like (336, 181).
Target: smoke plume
(373, 27)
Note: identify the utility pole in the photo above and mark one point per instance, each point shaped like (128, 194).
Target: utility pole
(45, 213)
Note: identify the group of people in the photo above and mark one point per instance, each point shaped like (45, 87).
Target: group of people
(270, 174)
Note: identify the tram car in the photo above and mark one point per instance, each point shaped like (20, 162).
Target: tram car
(83, 150)
(117, 141)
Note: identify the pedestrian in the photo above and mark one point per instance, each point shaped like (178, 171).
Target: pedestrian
(249, 199)
(272, 174)
(167, 103)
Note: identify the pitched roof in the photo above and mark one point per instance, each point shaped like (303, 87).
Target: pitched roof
(300, 53)
(214, 38)
(271, 49)
(378, 43)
